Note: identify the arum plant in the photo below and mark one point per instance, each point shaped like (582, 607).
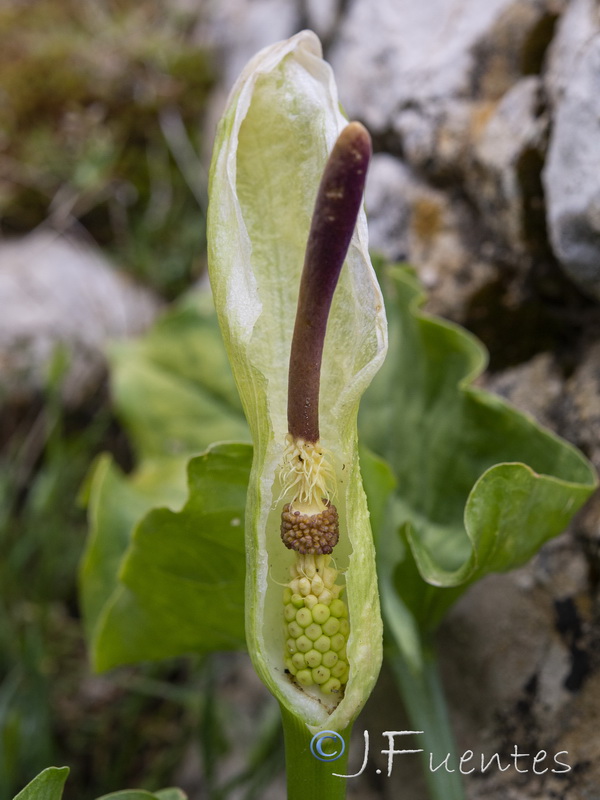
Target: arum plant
(459, 484)
(301, 356)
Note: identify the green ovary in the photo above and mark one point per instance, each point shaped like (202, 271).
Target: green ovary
(316, 626)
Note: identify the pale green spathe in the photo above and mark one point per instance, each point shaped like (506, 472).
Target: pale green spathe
(280, 124)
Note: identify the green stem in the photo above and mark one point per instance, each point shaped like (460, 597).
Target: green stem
(308, 778)
(425, 703)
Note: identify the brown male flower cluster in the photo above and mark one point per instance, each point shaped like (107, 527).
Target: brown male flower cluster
(310, 534)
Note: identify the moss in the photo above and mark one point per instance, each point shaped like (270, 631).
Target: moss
(426, 218)
(81, 104)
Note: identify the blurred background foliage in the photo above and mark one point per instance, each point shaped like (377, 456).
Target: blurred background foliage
(101, 105)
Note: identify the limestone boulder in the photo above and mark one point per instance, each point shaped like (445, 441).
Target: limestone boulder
(572, 169)
(62, 299)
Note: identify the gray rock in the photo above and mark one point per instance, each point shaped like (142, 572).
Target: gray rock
(579, 23)
(572, 172)
(534, 387)
(322, 16)
(236, 30)
(508, 147)
(413, 222)
(58, 294)
(580, 406)
(511, 650)
(388, 196)
(396, 54)
(421, 70)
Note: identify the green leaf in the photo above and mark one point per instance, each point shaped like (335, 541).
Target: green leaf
(115, 505)
(141, 794)
(173, 388)
(174, 391)
(279, 127)
(380, 483)
(480, 486)
(48, 785)
(129, 794)
(179, 583)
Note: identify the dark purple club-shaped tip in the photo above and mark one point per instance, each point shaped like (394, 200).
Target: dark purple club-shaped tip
(338, 202)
